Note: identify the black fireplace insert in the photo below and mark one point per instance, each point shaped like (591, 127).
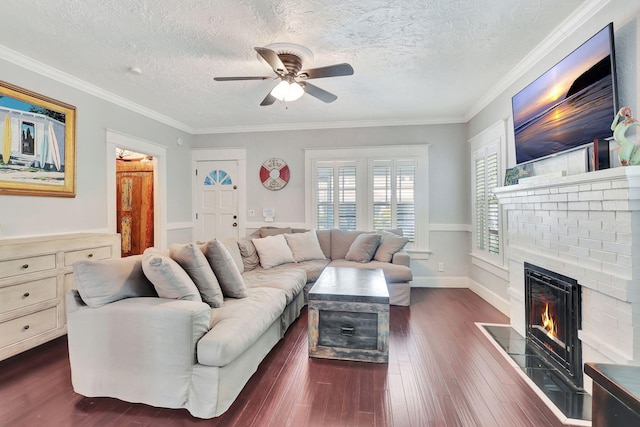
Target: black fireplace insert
(553, 310)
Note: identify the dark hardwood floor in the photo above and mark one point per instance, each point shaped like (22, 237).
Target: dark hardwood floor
(442, 371)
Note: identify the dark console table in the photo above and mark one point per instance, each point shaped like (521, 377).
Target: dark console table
(616, 394)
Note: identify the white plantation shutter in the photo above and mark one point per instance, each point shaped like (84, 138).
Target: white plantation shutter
(324, 198)
(405, 198)
(335, 188)
(347, 197)
(493, 209)
(393, 183)
(487, 211)
(381, 196)
(481, 209)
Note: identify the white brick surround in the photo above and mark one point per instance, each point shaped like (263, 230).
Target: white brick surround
(586, 227)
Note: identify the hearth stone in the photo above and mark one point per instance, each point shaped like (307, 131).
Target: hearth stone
(572, 403)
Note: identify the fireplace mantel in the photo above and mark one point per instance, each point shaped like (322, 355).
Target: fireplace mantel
(584, 226)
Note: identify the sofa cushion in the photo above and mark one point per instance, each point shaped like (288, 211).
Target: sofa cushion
(104, 281)
(304, 246)
(238, 324)
(393, 273)
(389, 245)
(341, 241)
(249, 254)
(274, 231)
(168, 278)
(363, 248)
(324, 238)
(288, 278)
(195, 264)
(313, 268)
(273, 250)
(225, 269)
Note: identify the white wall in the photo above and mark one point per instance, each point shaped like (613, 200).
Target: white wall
(448, 176)
(625, 16)
(29, 216)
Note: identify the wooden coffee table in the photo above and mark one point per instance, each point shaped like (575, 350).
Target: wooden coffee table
(349, 315)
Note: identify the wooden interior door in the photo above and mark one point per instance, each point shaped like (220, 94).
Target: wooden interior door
(134, 188)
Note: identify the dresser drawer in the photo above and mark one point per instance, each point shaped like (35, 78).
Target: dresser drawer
(348, 330)
(102, 252)
(19, 266)
(25, 327)
(26, 294)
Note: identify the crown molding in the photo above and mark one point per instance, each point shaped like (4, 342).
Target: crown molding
(585, 12)
(76, 83)
(328, 125)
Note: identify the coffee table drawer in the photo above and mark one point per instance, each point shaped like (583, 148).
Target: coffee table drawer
(348, 330)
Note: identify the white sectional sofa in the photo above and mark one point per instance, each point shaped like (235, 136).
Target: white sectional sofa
(138, 331)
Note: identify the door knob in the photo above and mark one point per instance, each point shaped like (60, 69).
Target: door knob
(235, 224)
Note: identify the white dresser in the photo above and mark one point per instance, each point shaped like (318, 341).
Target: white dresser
(35, 273)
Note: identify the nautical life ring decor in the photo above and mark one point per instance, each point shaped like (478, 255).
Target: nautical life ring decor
(274, 174)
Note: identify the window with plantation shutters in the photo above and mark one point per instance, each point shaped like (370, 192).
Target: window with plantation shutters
(486, 166)
(370, 188)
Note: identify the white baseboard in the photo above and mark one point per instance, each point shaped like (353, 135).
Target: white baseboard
(491, 297)
(439, 282)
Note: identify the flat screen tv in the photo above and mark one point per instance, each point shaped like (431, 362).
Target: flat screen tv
(570, 105)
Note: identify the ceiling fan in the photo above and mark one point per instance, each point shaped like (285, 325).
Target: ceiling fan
(293, 84)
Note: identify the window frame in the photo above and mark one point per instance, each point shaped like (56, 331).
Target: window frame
(363, 157)
(490, 141)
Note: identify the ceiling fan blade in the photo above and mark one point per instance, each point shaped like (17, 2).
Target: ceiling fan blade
(230, 79)
(321, 94)
(273, 60)
(329, 71)
(268, 100)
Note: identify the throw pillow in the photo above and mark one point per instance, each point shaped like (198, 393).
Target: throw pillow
(225, 269)
(273, 251)
(195, 264)
(363, 248)
(250, 258)
(168, 278)
(105, 281)
(273, 231)
(304, 246)
(231, 244)
(389, 245)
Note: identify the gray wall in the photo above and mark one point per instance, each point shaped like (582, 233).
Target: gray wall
(24, 216)
(625, 17)
(448, 178)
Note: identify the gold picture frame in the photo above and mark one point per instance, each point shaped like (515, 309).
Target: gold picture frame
(38, 145)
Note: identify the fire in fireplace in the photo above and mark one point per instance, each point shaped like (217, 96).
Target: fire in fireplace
(552, 303)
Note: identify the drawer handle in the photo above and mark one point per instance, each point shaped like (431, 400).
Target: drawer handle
(347, 331)
(25, 266)
(26, 295)
(25, 327)
(90, 256)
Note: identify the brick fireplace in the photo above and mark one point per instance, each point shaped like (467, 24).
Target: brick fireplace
(585, 227)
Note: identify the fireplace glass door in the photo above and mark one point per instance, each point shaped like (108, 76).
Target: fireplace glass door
(553, 319)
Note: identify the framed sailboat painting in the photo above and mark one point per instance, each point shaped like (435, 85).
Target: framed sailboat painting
(38, 149)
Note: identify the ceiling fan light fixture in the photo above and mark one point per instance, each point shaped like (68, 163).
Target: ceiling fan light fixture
(287, 92)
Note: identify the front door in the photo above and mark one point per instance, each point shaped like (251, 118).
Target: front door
(216, 199)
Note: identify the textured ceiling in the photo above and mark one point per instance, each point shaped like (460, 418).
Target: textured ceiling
(414, 61)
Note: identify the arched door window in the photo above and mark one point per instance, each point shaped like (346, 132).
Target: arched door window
(218, 177)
